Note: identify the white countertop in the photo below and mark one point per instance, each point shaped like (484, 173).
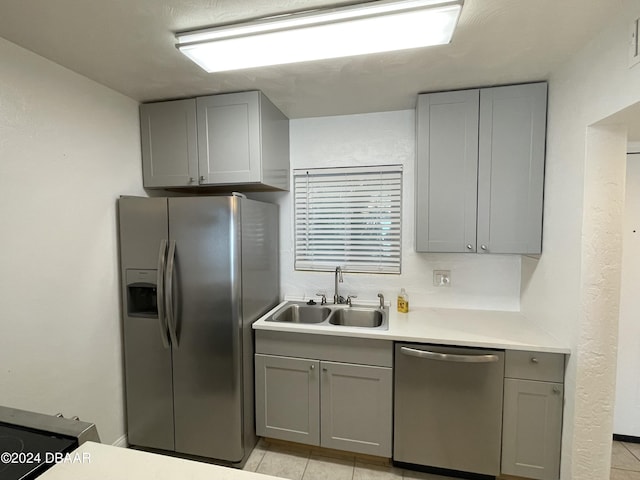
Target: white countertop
(469, 328)
(95, 461)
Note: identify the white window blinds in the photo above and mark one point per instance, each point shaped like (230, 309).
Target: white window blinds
(348, 217)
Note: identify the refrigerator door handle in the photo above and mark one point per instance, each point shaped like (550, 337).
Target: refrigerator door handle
(169, 293)
(162, 319)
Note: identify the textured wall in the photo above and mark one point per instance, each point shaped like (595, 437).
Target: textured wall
(599, 300)
(68, 148)
(572, 291)
(478, 281)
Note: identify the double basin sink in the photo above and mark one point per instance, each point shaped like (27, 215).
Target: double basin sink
(332, 315)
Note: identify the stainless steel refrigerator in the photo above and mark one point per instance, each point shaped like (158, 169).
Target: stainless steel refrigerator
(196, 272)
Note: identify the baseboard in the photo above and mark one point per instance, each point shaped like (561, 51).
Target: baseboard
(121, 442)
(626, 438)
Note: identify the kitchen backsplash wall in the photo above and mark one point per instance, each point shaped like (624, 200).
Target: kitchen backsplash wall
(477, 281)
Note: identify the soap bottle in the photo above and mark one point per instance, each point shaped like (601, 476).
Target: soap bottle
(403, 301)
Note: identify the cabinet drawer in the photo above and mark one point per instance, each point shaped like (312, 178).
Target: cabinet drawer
(363, 351)
(534, 366)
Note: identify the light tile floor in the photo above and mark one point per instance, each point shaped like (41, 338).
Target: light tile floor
(299, 463)
(625, 461)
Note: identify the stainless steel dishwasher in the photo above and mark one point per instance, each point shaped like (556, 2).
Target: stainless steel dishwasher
(448, 407)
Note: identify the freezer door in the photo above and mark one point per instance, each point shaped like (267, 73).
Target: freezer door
(149, 386)
(207, 357)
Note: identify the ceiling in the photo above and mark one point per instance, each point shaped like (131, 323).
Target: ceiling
(129, 45)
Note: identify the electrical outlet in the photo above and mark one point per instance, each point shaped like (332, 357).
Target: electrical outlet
(634, 46)
(442, 278)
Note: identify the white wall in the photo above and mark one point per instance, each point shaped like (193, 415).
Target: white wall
(68, 148)
(572, 291)
(627, 403)
(478, 281)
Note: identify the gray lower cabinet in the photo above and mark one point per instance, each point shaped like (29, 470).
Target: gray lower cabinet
(532, 415)
(480, 170)
(344, 406)
(288, 398)
(356, 405)
(236, 139)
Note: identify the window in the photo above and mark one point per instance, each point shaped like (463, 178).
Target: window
(348, 217)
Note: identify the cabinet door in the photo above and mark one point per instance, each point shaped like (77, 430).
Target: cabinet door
(532, 425)
(288, 399)
(511, 168)
(229, 138)
(446, 171)
(356, 406)
(169, 143)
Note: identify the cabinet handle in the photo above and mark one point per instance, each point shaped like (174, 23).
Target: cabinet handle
(556, 389)
(483, 247)
(191, 179)
(324, 369)
(202, 178)
(469, 246)
(313, 367)
(534, 360)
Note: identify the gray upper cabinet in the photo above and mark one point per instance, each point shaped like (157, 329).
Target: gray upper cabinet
(480, 170)
(236, 140)
(169, 143)
(511, 155)
(447, 171)
(242, 139)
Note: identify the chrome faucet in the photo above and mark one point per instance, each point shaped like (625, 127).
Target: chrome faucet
(381, 297)
(338, 279)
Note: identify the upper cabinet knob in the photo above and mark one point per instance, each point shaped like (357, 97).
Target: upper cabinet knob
(534, 360)
(469, 246)
(483, 247)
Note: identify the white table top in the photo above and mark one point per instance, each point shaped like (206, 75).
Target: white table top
(469, 328)
(95, 461)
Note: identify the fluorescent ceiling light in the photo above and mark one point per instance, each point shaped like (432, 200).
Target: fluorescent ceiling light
(379, 26)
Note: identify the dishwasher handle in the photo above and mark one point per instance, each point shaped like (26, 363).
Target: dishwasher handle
(449, 357)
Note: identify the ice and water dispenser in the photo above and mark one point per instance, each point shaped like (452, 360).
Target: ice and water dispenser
(142, 296)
